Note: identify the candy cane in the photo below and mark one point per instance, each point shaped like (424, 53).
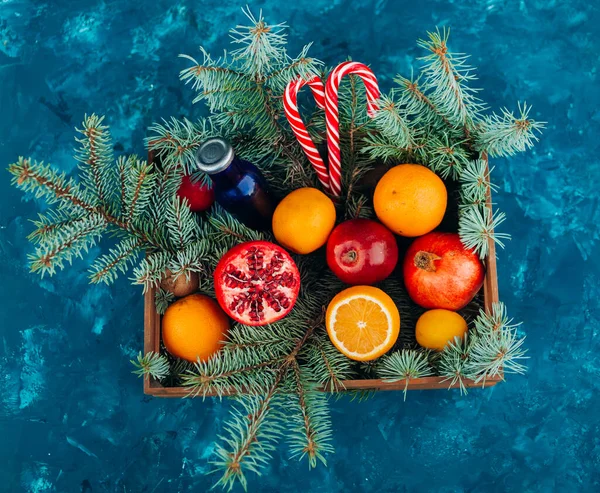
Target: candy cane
(290, 105)
(331, 114)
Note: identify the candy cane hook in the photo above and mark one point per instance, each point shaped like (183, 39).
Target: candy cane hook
(332, 114)
(290, 105)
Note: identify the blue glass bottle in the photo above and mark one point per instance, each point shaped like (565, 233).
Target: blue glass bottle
(240, 188)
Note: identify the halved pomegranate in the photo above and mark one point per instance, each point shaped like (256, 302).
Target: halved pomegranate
(257, 283)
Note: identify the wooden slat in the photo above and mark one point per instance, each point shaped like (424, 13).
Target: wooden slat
(490, 286)
(490, 294)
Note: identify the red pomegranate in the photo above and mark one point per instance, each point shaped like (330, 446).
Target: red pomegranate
(362, 251)
(257, 283)
(199, 196)
(439, 272)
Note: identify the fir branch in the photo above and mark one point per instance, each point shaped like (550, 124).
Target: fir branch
(357, 206)
(497, 320)
(251, 434)
(232, 372)
(226, 229)
(151, 269)
(498, 349)
(95, 158)
(404, 365)
(152, 365)
(310, 426)
(162, 300)
(477, 225)
(446, 76)
(49, 225)
(139, 186)
(119, 259)
(446, 158)
(248, 362)
(70, 242)
(393, 125)
(453, 362)
(216, 81)
(181, 223)
(262, 45)
(54, 187)
(497, 353)
(247, 447)
(176, 142)
(302, 65)
(327, 365)
(506, 134)
(475, 181)
(192, 258)
(422, 111)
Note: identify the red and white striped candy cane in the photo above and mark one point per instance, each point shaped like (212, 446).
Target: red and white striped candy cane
(290, 105)
(331, 114)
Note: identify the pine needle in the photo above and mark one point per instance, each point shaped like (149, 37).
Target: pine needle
(152, 365)
(404, 365)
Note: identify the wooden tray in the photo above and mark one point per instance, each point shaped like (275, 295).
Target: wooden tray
(490, 295)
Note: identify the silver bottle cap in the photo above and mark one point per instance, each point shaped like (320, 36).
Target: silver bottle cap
(214, 155)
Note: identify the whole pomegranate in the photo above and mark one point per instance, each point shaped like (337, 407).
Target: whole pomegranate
(439, 272)
(257, 283)
(199, 196)
(362, 251)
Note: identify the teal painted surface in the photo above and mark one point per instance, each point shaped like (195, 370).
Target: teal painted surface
(73, 417)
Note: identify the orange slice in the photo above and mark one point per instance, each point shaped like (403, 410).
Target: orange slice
(363, 322)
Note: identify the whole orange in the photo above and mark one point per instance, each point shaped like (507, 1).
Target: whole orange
(194, 328)
(410, 199)
(436, 328)
(303, 220)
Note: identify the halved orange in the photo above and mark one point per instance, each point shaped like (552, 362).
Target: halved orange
(363, 322)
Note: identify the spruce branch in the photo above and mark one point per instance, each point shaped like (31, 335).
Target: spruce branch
(497, 320)
(181, 223)
(44, 182)
(328, 367)
(310, 426)
(106, 268)
(496, 353)
(49, 225)
(152, 365)
(507, 134)
(244, 95)
(446, 77)
(151, 269)
(404, 365)
(231, 371)
(453, 362)
(446, 158)
(261, 45)
(498, 349)
(227, 231)
(176, 142)
(393, 125)
(419, 107)
(250, 437)
(95, 158)
(68, 243)
(249, 442)
(162, 300)
(139, 185)
(475, 181)
(477, 225)
(193, 257)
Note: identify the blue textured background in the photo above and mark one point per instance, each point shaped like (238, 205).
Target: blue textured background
(73, 417)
